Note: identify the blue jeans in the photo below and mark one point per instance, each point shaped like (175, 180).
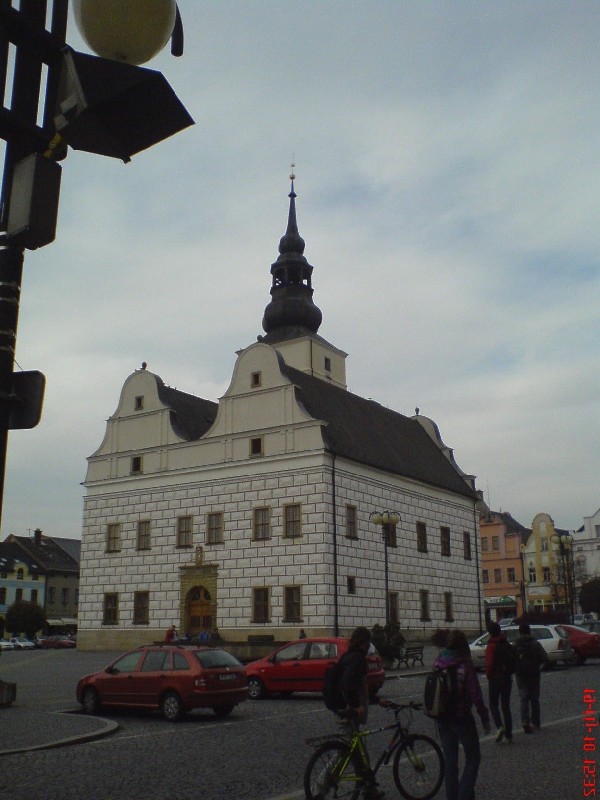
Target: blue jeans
(529, 693)
(499, 690)
(463, 731)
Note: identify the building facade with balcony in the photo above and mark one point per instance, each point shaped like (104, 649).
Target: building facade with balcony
(252, 514)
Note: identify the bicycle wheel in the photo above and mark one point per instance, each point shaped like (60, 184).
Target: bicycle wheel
(418, 767)
(330, 774)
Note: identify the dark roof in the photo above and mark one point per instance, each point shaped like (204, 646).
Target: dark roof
(191, 416)
(71, 546)
(10, 552)
(368, 433)
(48, 554)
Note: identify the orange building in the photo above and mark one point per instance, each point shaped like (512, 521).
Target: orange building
(503, 582)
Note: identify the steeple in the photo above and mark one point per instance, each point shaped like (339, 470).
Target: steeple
(291, 312)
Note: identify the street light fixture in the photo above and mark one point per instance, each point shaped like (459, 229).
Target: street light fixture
(387, 520)
(564, 543)
(90, 103)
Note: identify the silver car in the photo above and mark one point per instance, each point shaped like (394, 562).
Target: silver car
(557, 647)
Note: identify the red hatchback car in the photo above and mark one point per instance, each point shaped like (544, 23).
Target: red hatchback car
(585, 644)
(300, 666)
(172, 678)
(57, 641)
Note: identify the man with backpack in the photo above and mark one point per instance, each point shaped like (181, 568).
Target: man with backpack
(499, 668)
(530, 658)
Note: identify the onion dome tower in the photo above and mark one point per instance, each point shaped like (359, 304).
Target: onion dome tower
(291, 312)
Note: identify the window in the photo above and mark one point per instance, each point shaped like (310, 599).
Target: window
(291, 523)
(497, 576)
(532, 575)
(544, 544)
(327, 364)
(393, 606)
(34, 595)
(51, 594)
(511, 575)
(20, 574)
(448, 615)
(421, 537)
(445, 541)
(495, 543)
(136, 465)
(3, 596)
(156, 661)
(256, 446)
(113, 537)
(485, 576)
(261, 523)
(184, 531)
(260, 605)
(466, 546)
(214, 527)
(351, 584)
(143, 534)
(389, 534)
(18, 595)
(64, 597)
(138, 403)
(424, 598)
(111, 609)
(484, 544)
(546, 574)
(351, 530)
(141, 608)
(255, 379)
(292, 597)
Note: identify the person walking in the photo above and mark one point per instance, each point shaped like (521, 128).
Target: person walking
(171, 633)
(499, 668)
(530, 658)
(461, 727)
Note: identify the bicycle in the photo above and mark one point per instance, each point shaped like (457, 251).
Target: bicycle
(339, 765)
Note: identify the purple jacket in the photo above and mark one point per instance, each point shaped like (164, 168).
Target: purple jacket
(466, 676)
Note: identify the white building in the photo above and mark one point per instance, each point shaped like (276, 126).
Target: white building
(586, 550)
(253, 514)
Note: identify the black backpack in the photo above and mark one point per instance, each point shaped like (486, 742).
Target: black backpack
(505, 658)
(527, 659)
(441, 694)
(333, 695)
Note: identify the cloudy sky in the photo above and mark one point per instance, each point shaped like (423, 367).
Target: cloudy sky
(447, 161)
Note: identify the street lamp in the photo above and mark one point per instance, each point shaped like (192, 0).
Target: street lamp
(94, 104)
(387, 520)
(564, 543)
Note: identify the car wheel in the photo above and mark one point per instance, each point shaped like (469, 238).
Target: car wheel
(579, 659)
(89, 701)
(172, 707)
(223, 711)
(256, 689)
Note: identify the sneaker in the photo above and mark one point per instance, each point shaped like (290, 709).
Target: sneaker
(500, 735)
(528, 728)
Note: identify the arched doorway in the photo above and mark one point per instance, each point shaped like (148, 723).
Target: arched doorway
(200, 611)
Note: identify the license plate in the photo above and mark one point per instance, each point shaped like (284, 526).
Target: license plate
(228, 677)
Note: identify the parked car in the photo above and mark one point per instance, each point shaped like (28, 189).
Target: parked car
(173, 679)
(585, 644)
(579, 619)
(57, 641)
(6, 645)
(300, 666)
(593, 626)
(555, 643)
(20, 643)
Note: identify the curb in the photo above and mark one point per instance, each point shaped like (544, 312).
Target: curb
(107, 727)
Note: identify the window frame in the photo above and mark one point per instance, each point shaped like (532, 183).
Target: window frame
(351, 584)
(137, 465)
(256, 447)
(185, 537)
(445, 545)
(261, 604)
(351, 521)
(215, 533)
(425, 611)
(292, 603)
(110, 608)
(292, 525)
(467, 551)
(141, 607)
(421, 537)
(143, 535)
(448, 610)
(113, 537)
(259, 525)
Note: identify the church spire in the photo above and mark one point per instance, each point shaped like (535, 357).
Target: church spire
(291, 312)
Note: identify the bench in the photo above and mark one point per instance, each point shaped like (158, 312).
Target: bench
(412, 653)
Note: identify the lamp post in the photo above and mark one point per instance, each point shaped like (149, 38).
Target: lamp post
(387, 520)
(563, 543)
(94, 104)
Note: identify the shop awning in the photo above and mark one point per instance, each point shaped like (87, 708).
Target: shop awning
(62, 621)
(504, 600)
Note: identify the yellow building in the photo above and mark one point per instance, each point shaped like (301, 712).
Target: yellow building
(544, 578)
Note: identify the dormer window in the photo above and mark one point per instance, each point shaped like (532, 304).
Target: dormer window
(255, 380)
(136, 465)
(138, 403)
(256, 446)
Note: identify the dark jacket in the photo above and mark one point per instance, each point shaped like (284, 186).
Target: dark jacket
(490, 653)
(540, 657)
(354, 678)
(468, 684)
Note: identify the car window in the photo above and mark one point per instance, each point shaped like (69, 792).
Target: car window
(482, 641)
(179, 661)
(126, 663)
(292, 652)
(156, 661)
(213, 659)
(322, 650)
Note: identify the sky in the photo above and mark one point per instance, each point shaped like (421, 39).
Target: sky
(447, 167)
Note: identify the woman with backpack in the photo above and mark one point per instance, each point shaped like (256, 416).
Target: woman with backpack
(459, 727)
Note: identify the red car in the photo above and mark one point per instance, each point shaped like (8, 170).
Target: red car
(584, 644)
(300, 666)
(57, 641)
(172, 678)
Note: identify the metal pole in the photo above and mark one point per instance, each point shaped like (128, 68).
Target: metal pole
(384, 528)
